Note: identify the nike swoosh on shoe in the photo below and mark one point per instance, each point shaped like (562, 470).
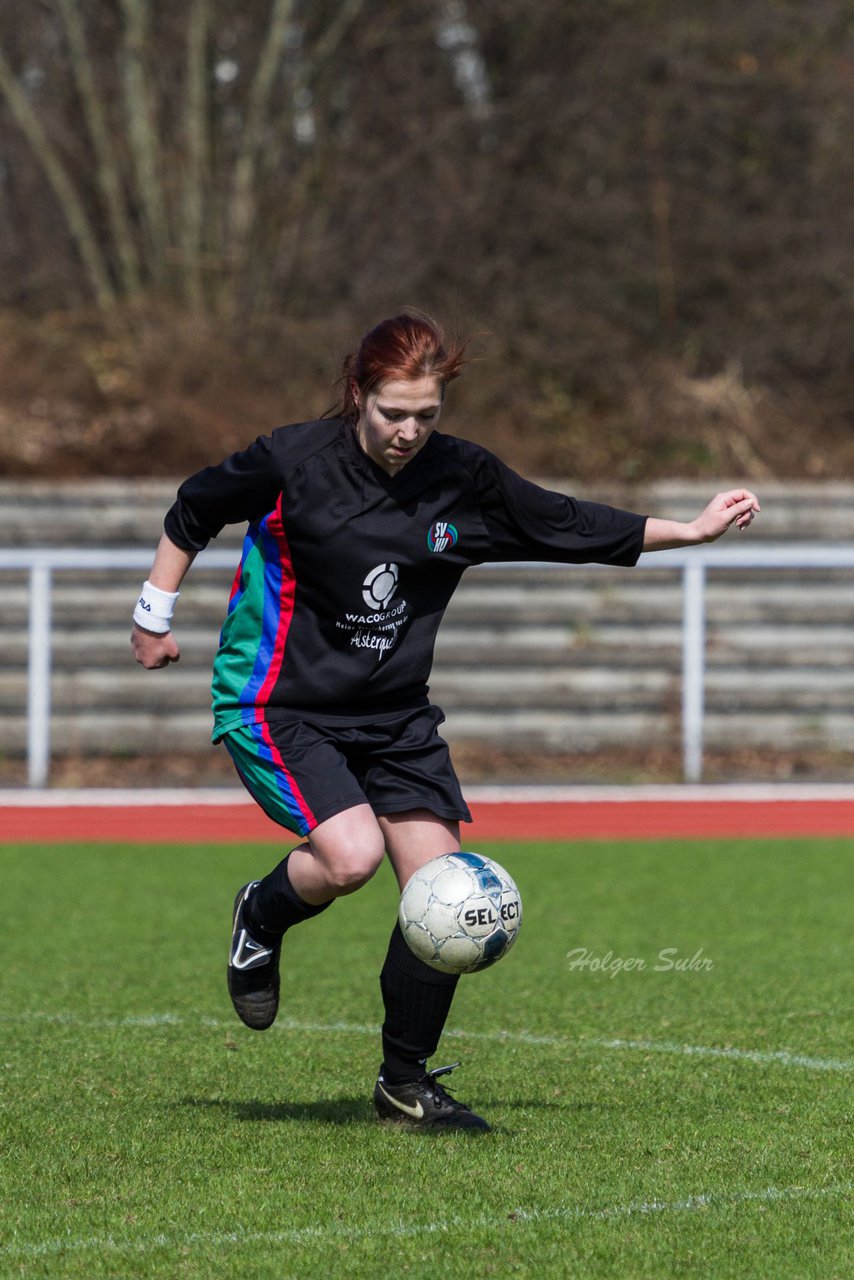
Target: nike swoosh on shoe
(248, 953)
(417, 1112)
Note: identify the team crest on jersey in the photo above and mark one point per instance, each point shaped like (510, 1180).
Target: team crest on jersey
(441, 535)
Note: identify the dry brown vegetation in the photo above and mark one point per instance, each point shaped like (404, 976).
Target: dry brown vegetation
(642, 210)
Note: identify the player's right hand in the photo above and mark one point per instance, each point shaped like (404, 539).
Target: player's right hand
(153, 650)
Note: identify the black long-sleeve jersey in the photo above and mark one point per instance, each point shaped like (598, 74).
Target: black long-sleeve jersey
(346, 571)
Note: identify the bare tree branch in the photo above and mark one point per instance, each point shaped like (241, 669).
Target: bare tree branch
(106, 165)
(335, 32)
(311, 65)
(243, 200)
(70, 202)
(196, 134)
(142, 131)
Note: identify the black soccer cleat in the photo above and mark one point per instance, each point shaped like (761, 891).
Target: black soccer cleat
(253, 971)
(424, 1104)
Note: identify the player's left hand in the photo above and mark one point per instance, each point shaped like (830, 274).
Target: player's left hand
(734, 507)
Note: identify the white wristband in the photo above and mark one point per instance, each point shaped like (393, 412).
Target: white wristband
(154, 609)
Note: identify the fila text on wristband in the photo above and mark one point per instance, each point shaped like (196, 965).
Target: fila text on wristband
(154, 608)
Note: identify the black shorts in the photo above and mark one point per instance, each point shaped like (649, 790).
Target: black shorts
(302, 771)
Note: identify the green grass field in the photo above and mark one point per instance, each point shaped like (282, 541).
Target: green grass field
(648, 1122)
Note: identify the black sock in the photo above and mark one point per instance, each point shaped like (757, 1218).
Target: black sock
(274, 906)
(417, 1001)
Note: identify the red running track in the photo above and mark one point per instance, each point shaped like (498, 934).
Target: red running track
(642, 819)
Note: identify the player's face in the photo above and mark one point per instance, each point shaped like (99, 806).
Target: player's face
(396, 420)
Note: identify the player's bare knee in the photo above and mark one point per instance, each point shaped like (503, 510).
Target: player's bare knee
(354, 869)
(352, 863)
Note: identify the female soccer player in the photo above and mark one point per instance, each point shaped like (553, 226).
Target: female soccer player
(359, 529)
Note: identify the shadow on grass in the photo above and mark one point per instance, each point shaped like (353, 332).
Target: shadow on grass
(350, 1111)
(323, 1111)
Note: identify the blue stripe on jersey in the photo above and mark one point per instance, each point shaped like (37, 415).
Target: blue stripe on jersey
(268, 548)
(239, 586)
(270, 786)
(286, 793)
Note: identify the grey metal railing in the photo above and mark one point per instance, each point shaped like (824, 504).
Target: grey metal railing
(694, 564)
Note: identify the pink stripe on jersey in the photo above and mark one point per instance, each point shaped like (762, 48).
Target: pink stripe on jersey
(287, 592)
(296, 794)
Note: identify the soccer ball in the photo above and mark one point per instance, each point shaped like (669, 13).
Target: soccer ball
(460, 912)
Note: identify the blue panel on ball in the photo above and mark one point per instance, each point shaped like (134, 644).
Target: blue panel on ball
(488, 881)
(494, 947)
(473, 860)
(486, 878)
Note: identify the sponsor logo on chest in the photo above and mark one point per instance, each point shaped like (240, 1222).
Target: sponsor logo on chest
(380, 629)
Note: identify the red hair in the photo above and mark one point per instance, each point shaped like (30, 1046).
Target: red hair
(404, 348)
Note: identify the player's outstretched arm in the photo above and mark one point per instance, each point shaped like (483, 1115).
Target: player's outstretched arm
(154, 645)
(734, 507)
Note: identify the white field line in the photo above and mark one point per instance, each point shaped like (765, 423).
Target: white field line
(330, 1232)
(166, 797)
(781, 1057)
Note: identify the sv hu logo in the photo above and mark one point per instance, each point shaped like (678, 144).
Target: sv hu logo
(441, 535)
